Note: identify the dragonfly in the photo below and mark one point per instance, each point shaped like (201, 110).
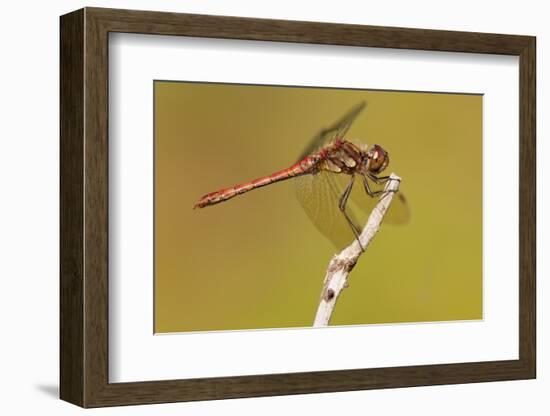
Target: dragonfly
(325, 175)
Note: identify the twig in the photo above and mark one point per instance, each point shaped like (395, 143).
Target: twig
(342, 263)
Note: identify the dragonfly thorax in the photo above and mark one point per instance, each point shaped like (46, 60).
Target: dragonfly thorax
(346, 157)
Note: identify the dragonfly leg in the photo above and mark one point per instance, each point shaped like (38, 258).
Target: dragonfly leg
(375, 179)
(381, 179)
(369, 191)
(342, 206)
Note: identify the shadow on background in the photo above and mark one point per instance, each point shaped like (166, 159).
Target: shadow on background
(51, 390)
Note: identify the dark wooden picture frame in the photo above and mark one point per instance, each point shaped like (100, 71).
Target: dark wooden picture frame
(84, 207)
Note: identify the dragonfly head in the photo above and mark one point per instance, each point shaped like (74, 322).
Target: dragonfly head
(377, 159)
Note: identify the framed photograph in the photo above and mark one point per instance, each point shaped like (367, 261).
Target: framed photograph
(254, 207)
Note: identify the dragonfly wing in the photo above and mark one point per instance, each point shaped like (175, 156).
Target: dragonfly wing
(399, 212)
(337, 131)
(319, 194)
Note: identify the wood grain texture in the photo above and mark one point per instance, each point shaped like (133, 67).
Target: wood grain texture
(84, 207)
(527, 208)
(72, 215)
(96, 219)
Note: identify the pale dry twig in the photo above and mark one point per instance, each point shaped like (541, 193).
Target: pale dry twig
(336, 278)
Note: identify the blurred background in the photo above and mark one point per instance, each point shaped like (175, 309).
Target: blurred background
(257, 261)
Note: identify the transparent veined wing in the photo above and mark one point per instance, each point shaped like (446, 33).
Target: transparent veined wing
(319, 195)
(337, 131)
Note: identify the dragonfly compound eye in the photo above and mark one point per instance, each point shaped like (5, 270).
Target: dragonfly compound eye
(379, 159)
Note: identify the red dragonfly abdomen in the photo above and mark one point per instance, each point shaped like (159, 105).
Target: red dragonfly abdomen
(304, 166)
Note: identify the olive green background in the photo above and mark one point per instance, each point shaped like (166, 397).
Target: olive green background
(257, 261)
